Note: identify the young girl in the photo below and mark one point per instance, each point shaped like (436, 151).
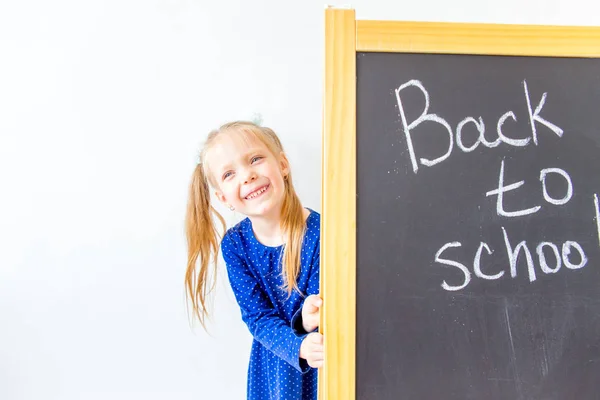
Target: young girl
(272, 257)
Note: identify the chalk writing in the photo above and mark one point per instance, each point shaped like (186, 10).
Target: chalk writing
(500, 192)
(513, 254)
(535, 116)
(562, 173)
(597, 216)
(409, 128)
(547, 257)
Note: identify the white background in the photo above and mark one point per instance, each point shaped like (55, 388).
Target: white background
(103, 107)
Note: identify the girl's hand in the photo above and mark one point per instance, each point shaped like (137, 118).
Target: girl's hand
(311, 312)
(311, 349)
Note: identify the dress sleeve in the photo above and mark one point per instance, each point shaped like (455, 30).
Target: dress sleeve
(313, 288)
(263, 320)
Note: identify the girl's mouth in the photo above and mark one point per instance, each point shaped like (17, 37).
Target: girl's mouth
(257, 192)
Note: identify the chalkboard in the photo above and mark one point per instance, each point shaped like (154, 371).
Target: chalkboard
(478, 232)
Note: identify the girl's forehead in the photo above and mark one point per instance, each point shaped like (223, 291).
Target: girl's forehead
(238, 139)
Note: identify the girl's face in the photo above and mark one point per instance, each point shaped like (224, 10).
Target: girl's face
(248, 176)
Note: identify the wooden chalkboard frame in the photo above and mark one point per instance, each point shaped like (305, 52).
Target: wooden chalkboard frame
(344, 37)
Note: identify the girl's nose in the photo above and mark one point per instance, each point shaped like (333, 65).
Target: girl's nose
(250, 176)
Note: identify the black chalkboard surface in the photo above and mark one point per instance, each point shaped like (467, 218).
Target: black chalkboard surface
(478, 254)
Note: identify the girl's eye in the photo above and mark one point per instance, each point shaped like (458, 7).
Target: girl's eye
(255, 158)
(227, 174)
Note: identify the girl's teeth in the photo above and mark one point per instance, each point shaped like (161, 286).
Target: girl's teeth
(253, 195)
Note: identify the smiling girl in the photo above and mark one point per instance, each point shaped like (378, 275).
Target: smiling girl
(272, 256)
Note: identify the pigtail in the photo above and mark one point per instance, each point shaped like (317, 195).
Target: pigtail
(294, 226)
(203, 244)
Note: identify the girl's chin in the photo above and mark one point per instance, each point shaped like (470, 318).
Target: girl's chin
(264, 209)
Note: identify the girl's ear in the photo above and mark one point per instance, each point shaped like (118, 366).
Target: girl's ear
(284, 164)
(221, 197)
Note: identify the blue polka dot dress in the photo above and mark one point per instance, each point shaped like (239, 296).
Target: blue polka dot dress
(276, 371)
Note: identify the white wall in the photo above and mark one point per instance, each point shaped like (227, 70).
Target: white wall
(103, 106)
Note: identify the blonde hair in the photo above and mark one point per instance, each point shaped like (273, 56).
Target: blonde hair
(204, 239)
